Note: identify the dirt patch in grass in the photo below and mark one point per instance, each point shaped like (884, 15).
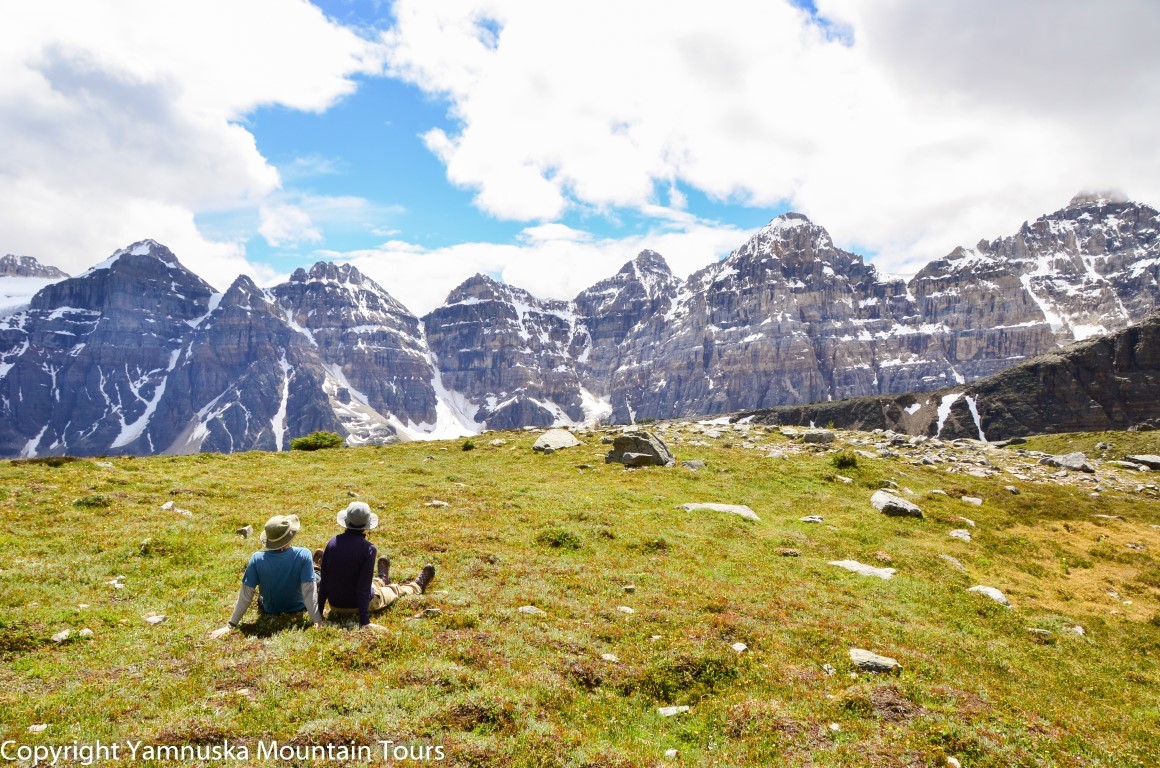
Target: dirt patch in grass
(885, 702)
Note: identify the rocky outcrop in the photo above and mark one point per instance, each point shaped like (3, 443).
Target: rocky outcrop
(1105, 383)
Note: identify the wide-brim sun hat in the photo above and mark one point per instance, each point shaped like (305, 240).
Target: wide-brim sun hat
(279, 531)
(358, 517)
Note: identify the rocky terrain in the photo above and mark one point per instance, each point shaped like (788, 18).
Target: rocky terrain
(1105, 383)
(154, 360)
(20, 278)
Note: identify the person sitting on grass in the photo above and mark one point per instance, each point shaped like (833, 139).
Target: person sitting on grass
(355, 581)
(283, 576)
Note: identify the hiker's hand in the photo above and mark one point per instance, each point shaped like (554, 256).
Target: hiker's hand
(218, 634)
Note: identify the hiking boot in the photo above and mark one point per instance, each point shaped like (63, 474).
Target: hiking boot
(317, 559)
(384, 569)
(425, 577)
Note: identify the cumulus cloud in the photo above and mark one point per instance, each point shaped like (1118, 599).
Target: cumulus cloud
(905, 127)
(550, 260)
(120, 119)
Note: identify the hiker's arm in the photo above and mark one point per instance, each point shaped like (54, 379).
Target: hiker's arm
(311, 601)
(366, 574)
(245, 597)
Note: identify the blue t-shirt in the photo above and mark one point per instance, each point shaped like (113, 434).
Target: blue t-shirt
(278, 576)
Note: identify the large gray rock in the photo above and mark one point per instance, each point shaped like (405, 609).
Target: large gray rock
(733, 509)
(868, 661)
(555, 440)
(638, 449)
(889, 504)
(818, 436)
(1076, 462)
(1151, 461)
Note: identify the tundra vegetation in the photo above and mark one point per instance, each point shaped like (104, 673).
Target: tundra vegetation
(580, 682)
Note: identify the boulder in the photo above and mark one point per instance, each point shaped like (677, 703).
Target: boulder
(1076, 462)
(735, 509)
(694, 464)
(1150, 461)
(872, 662)
(889, 504)
(962, 534)
(554, 440)
(818, 436)
(639, 449)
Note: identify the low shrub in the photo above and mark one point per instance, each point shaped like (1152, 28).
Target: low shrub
(559, 538)
(316, 441)
(844, 460)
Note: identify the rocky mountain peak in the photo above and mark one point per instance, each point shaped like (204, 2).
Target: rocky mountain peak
(27, 266)
(244, 293)
(146, 276)
(648, 261)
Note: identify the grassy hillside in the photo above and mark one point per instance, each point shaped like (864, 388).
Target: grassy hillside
(567, 533)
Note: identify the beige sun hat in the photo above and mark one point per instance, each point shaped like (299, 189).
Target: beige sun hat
(358, 517)
(279, 531)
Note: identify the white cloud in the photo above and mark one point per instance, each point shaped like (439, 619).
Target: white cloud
(552, 261)
(119, 118)
(289, 225)
(919, 127)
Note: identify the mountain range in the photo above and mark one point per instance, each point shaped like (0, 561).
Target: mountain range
(139, 355)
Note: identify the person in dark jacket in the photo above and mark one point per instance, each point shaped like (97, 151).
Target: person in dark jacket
(354, 579)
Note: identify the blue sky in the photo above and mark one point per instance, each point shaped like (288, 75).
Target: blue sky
(547, 143)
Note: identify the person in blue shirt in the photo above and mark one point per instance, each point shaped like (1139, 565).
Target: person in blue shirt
(281, 575)
(354, 579)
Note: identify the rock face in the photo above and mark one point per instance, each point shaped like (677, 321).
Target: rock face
(1105, 383)
(153, 359)
(1145, 459)
(507, 353)
(639, 449)
(166, 365)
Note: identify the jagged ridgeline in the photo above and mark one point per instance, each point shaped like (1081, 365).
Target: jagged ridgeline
(139, 355)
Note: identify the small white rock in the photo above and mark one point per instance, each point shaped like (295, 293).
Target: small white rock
(611, 658)
(953, 763)
(740, 647)
(829, 669)
(1077, 629)
(968, 521)
(154, 619)
(82, 606)
(625, 609)
(835, 727)
(86, 632)
(61, 636)
(531, 610)
(167, 506)
(962, 534)
(973, 500)
(654, 638)
(670, 711)
(38, 728)
(811, 519)
(670, 754)
(992, 593)
(436, 503)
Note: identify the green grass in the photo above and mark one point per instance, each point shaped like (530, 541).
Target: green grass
(497, 687)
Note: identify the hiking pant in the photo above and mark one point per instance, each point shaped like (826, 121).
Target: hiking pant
(384, 595)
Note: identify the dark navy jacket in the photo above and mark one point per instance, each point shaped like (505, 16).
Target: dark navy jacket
(348, 565)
